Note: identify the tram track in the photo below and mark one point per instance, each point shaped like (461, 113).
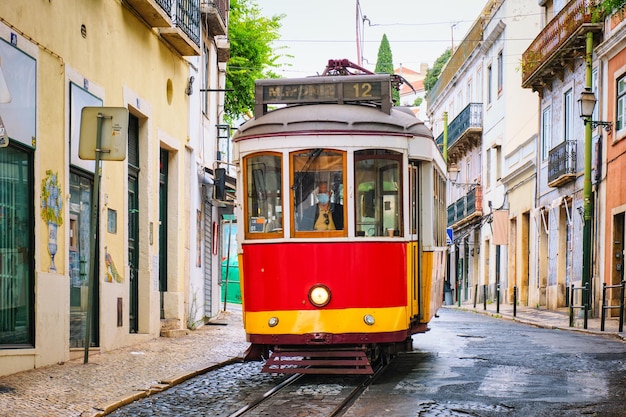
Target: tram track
(311, 395)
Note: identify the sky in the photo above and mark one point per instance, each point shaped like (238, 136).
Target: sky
(418, 31)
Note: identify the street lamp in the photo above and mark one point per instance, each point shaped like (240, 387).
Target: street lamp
(453, 176)
(586, 104)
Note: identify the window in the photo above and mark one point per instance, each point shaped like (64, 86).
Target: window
(378, 205)
(546, 132)
(263, 191)
(488, 173)
(318, 187)
(568, 115)
(621, 103)
(500, 72)
(468, 92)
(489, 75)
(16, 248)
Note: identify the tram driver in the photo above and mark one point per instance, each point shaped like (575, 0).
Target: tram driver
(325, 215)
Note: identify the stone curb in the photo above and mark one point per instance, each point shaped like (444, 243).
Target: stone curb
(163, 385)
(619, 336)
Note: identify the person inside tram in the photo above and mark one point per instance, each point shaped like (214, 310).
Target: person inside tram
(325, 215)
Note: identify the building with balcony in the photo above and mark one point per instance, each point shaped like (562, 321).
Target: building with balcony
(491, 119)
(553, 65)
(611, 54)
(64, 293)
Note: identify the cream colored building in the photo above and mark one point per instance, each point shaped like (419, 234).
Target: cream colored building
(491, 137)
(57, 57)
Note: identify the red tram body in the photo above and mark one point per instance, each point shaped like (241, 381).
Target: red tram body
(333, 291)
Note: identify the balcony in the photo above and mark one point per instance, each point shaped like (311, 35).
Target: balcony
(464, 132)
(184, 35)
(215, 13)
(558, 44)
(156, 13)
(562, 163)
(467, 208)
(223, 48)
(178, 22)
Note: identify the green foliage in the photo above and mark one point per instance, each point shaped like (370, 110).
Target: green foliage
(418, 101)
(384, 63)
(611, 6)
(251, 55)
(433, 73)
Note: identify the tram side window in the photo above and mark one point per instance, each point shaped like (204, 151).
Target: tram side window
(318, 191)
(264, 203)
(378, 193)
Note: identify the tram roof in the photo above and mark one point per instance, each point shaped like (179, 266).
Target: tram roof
(355, 118)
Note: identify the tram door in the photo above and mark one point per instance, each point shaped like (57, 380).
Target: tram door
(414, 226)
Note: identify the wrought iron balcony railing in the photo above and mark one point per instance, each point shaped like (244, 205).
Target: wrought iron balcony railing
(558, 41)
(216, 13)
(562, 163)
(178, 21)
(466, 208)
(468, 125)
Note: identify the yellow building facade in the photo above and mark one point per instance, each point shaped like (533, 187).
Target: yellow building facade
(57, 57)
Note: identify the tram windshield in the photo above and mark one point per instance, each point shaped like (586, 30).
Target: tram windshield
(318, 190)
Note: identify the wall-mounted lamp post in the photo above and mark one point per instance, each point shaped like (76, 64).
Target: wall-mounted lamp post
(586, 104)
(453, 176)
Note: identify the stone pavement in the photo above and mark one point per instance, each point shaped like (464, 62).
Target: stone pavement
(118, 377)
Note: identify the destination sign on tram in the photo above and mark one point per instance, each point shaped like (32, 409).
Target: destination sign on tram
(326, 89)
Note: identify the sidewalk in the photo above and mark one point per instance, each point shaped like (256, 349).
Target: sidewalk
(121, 376)
(124, 375)
(549, 319)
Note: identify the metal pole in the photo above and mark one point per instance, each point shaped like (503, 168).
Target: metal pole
(95, 204)
(498, 279)
(621, 308)
(586, 277)
(515, 301)
(230, 225)
(485, 297)
(603, 314)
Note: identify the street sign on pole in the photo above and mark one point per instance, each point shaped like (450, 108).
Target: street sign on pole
(103, 133)
(449, 236)
(114, 125)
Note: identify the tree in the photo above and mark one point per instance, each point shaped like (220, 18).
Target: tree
(384, 64)
(251, 55)
(433, 73)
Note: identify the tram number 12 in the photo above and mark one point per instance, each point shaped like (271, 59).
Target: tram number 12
(362, 91)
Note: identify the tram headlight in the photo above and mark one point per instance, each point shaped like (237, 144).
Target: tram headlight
(319, 295)
(369, 319)
(272, 322)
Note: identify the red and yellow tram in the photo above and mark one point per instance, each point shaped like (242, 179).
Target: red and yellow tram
(342, 243)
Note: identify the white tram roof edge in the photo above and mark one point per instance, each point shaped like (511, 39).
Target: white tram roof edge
(318, 118)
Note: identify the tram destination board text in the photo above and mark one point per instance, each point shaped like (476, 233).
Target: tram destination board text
(323, 90)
